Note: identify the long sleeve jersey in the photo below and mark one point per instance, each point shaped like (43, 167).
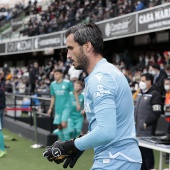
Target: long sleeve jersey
(109, 109)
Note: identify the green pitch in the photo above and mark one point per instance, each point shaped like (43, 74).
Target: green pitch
(20, 156)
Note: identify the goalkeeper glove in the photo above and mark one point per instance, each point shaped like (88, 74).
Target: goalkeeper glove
(61, 151)
(69, 153)
(72, 159)
(48, 154)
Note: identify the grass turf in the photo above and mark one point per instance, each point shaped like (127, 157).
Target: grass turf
(20, 156)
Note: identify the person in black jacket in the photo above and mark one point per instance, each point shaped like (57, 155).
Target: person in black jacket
(33, 76)
(147, 112)
(159, 76)
(2, 107)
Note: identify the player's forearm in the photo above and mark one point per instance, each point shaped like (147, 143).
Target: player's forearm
(103, 133)
(52, 103)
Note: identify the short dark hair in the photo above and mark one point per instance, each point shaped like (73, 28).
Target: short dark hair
(88, 32)
(166, 79)
(80, 83)
(148, 76)
(156, 66)
(58, 70)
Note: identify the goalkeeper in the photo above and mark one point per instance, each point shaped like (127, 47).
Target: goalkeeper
(108, 106)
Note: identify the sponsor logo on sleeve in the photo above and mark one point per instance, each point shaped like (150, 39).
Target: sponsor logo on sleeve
(101, 91)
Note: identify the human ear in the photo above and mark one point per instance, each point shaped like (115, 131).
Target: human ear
(88, 46)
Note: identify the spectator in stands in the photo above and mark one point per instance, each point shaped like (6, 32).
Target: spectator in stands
(8, 75)
(43, 87)
(140, 5)
(59, 90)
(48, 68)
(167, 57)
(5, 69)
(135, 90)
(2, 107)
(21, 86)
(137, 76)
(127, 74)
(147, 113)
(33, 76)
(122, 65)
(167, 110)
(15, 82)
(146, 60)
(159, 76)
(8, 86)
(141, 62)
(167, 95)
(167, 70)
(152, 60)
(160, 59)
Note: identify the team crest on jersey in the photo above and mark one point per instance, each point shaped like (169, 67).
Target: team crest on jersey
(99, 76)
(63, 87)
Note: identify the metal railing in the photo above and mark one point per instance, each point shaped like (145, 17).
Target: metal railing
(28, 109)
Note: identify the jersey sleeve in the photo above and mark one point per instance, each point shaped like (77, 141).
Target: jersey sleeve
(103, 95)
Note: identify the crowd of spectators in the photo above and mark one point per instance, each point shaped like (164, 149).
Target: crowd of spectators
(35, 79)
(18, 80)
(32, 8)
(60, 15)
(6, 14)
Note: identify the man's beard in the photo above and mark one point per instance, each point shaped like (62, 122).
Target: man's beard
(82, 60)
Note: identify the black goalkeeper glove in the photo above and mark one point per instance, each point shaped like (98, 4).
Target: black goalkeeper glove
(48, 154)
(71, 150)
(56, 152)
(72, 159)
(61, 151)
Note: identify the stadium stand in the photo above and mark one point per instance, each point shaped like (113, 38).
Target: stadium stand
(37, 19)
(60, 15)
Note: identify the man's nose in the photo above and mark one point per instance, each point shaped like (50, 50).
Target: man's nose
(68, 55)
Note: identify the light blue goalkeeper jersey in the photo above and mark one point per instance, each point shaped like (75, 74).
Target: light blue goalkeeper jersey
(109, 109)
